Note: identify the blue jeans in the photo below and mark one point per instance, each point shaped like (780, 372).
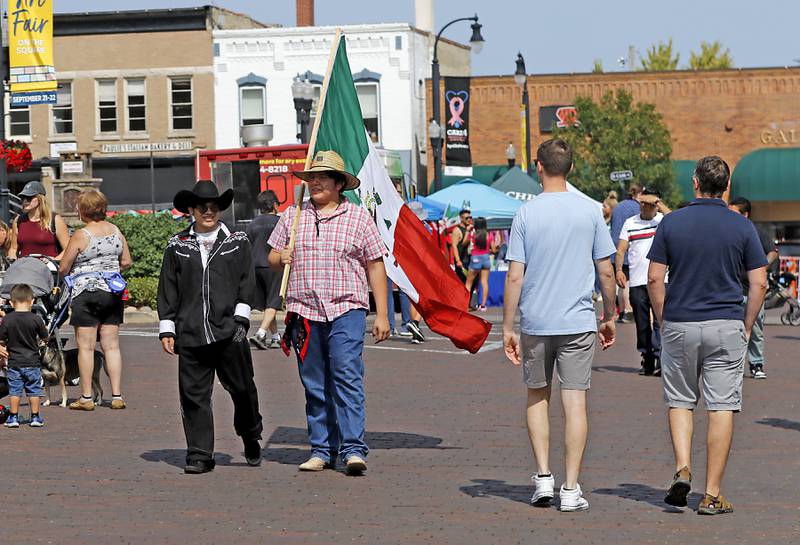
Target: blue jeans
(333, 377)
(405, 306)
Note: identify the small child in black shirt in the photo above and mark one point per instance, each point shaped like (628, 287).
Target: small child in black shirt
(22, 333)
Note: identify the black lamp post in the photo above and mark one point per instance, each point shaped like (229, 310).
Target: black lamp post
(435, 134)
(476, 43)
(521, 79)
(303, 95)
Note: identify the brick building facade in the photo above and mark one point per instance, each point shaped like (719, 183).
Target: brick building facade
(729, 113)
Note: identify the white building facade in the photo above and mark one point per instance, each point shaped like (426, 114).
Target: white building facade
(254, 71)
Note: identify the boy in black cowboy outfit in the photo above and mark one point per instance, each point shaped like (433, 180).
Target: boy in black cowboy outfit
(204, 294)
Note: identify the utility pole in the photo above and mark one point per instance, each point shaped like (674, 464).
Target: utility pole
(4, 193)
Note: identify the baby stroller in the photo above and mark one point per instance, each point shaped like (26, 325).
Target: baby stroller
(51, 300)
(778, 295)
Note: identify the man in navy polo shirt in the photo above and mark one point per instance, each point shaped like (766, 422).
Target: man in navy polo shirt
(704, 325)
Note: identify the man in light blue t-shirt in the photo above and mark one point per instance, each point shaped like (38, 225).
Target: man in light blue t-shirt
(556, 241)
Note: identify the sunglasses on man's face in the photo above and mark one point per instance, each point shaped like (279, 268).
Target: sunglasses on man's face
(206, 207)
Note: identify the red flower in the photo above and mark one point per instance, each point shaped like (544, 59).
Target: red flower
(17, 155)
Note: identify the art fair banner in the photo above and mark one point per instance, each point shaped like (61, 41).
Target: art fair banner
(30, 52)
(456, 105)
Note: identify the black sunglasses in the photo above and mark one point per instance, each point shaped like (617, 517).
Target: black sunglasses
(205, 207)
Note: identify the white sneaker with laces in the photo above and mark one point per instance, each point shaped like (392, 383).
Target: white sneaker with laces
(573, 500)
(543, 492)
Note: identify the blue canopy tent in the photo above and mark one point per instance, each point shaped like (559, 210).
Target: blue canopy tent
(434, 209)
(481, 200)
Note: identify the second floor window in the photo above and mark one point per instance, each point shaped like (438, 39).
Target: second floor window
(368, 99)
(107, 105)
(251, 104)
(181, 103)
(62, 110)
(137, 107)
(19, 123)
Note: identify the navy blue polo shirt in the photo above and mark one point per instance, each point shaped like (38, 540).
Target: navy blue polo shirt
(707, 249)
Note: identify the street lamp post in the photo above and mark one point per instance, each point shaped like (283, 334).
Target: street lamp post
(435, 134)
(303, 95)
(521, 79)
(476, 43)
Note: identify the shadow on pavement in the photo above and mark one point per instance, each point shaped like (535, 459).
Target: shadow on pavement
(780, 423)
(615, 369)
(484, 488)
(648, 494)
(285, 435)
(387, 440)
(177, 457)
(788, 337)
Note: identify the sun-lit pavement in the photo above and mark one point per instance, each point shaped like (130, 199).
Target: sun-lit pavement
(449, 461)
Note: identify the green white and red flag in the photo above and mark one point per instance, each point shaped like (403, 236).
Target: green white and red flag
(414, 263)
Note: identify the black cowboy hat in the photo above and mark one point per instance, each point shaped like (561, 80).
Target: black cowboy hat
(203, 191)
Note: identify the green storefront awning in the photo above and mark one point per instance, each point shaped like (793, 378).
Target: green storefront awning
(485, 174)
(769, 174)
(684, 172)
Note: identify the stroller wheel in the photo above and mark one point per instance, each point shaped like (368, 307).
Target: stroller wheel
(785, 318)
(794, 319)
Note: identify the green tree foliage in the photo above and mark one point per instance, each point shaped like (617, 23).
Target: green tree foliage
(711, 57)
(598, 66)
(147, 236)
(617, 134)
(660, 57)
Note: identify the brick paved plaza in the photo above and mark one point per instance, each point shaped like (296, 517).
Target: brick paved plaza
(450, 461)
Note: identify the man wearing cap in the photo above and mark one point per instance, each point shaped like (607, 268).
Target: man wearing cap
(204, 292)
(635, 239)
(338, 252)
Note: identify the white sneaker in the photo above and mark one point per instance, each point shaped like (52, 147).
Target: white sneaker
(573, 500)
(543, 493)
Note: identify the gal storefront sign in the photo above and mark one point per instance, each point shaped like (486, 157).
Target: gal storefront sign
(30, 52)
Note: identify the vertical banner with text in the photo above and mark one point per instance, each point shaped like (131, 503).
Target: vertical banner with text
(30, 52)
(456, 104)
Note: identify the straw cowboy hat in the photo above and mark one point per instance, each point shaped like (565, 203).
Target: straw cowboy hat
(329, 161)
(202, 192)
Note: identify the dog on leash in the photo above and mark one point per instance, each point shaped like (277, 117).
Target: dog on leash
(61, 366)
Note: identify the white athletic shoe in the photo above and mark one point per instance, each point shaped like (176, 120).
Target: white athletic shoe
(543, 493)
(573, 500)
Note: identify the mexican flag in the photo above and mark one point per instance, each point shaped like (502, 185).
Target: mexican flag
(414, 263)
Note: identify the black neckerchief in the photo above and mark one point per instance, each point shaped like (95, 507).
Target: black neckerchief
(324, 219)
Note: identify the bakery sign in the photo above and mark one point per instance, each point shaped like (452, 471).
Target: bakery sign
(147, 147)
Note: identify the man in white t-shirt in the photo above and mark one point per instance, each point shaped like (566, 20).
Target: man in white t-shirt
(636, 238)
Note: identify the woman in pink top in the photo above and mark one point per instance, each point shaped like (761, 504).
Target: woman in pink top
(482, 243)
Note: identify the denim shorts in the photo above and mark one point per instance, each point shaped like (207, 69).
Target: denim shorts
(25, 379)
(478, 262)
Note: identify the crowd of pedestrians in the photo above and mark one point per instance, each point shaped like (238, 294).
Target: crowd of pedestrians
(695, 279)
(91, 261)
(705, 322)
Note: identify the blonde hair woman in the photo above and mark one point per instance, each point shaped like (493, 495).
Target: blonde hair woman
(37, 230)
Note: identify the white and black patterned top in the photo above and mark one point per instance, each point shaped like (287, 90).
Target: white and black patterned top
(100, 255)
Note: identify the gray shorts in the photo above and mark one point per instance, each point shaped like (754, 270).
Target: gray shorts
(710, 353)
(571, 355)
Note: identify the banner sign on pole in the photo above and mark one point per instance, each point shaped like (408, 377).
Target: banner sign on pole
(456, 97)
(524, 163)
(30, 52)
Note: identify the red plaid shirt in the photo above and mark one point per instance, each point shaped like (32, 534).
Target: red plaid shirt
(329, 266)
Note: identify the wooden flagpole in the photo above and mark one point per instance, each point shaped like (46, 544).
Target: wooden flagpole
(309, 157)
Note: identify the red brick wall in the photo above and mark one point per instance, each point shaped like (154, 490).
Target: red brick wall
(726, 112)
(305, 12)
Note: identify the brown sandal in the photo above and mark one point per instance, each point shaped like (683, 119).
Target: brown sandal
(714, 505)
(79, 405)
